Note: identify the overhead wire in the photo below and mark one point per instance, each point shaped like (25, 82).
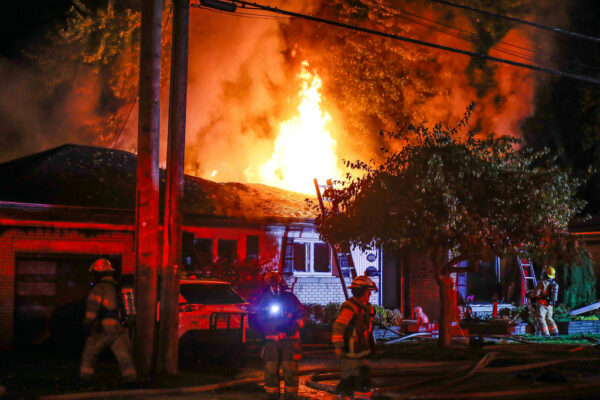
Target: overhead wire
(134, 102)
(500, 47)
(521, 21)
(483, 56)
(242, 14)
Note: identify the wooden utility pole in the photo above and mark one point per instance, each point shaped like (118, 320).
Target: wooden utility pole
(168, 337)
(146, 235)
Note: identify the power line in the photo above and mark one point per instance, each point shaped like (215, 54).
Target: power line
(137, 97)
(501, 45)
(241, 14)
(482, 56)
(521, 21)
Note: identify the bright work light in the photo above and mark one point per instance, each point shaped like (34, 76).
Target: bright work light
(274, 309)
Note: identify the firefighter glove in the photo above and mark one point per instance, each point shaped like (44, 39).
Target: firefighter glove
(339, 352)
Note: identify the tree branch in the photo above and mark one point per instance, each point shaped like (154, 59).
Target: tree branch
(448, 266)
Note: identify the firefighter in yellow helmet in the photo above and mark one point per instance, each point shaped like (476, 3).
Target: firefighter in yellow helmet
(546, 294)
(353, 339)
(102, 324)
(279, 318)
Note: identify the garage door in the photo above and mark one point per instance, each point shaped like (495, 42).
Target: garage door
(50, 299)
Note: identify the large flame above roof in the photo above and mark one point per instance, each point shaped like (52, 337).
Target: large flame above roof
(304, 148)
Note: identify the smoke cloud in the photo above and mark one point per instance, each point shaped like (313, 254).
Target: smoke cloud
(242, 85)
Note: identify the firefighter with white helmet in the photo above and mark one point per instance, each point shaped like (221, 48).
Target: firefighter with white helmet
(103, 326)
(546, 295)
(279, 318)
(353, 339)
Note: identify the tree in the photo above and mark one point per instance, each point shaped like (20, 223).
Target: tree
(455, 198)
(101, 40)
(577, 283)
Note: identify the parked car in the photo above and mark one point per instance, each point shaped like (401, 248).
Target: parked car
(210, 311)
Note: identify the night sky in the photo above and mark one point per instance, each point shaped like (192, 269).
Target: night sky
(567, 112)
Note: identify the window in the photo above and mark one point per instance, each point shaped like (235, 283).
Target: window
(300, 250)
(203, 251)
(227, 250)
(321, 260)
(311, 257)
(251, 247)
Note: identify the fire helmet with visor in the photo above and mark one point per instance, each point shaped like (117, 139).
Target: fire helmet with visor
(101, 265)
(272, 279)
(363, 282)
(551, 272)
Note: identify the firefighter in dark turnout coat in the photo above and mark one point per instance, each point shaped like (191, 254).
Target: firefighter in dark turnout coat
(353, 339)
(279, 318)
(103, 326)
(546, 295)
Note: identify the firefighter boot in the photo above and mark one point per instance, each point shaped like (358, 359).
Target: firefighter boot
(345, 387)
(362, 388)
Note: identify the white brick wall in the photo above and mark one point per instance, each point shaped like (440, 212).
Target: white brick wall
(323, 290)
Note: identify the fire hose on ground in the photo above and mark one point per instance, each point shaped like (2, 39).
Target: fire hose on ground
(428, 372)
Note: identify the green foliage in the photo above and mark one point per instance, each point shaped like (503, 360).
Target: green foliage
(387, 316)
(577, 283)
(445, 191)
(322, 315)
(101, 44)
(561, 313)
(585, 318)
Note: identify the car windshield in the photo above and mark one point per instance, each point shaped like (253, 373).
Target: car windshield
(209, 294)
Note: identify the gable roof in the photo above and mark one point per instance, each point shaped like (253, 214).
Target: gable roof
(86, 176)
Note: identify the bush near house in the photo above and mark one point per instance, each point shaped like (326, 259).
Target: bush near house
(321, 318)
(577, 283)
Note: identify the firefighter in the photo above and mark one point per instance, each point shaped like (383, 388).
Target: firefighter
(279, 318)
(353, 339)
(103, 326)
(546, 294)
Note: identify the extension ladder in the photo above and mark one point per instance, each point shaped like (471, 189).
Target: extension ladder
(528, 279)
(342, 259)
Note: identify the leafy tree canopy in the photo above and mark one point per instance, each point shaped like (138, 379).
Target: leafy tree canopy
(443, 192)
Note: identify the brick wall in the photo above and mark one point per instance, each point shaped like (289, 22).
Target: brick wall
(323, 290)
(15, 241)
(423, 288)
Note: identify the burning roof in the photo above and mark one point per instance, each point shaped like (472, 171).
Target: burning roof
(85, 176)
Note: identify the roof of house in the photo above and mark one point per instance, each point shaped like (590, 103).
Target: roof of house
(85, 176)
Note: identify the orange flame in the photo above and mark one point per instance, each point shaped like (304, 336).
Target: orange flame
(304, 149)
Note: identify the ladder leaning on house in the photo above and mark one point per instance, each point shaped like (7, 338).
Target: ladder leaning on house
(528, 279)
(342, 253)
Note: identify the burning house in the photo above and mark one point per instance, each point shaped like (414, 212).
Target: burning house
(62, 208)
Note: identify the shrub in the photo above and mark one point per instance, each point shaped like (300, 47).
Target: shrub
(387, 317)
(322, 315)
(577, 283)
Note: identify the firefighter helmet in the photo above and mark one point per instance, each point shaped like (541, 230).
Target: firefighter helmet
(272, 279)
(363, 281)
(101, 265)
(551, 272)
